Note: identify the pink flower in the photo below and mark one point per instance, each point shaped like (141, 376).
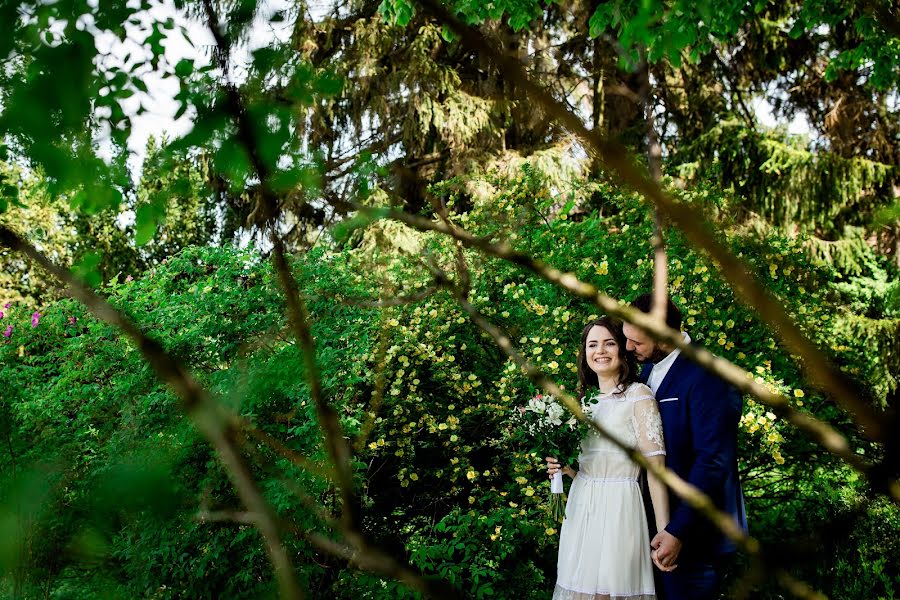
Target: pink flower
(35, 319)
(1, 314)
(72, 320)
(8, 332)
(129, 278)
(6, 305)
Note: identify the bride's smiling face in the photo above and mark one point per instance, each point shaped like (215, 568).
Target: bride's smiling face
(602, 352)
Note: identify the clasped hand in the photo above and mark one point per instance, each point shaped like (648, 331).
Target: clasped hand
(665, 548)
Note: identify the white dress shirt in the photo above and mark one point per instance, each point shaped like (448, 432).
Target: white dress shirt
(661, 369)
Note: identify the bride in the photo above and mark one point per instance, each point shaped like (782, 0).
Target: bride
(604, 546)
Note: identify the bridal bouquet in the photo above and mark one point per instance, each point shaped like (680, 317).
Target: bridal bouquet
(541, 428)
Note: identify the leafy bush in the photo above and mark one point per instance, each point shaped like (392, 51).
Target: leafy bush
(115, 474)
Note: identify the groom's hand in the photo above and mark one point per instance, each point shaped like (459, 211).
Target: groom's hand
(667, 548)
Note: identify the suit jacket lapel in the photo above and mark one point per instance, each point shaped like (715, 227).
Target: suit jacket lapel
(671, 379)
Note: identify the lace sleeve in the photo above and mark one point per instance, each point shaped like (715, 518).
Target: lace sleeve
(648, 427)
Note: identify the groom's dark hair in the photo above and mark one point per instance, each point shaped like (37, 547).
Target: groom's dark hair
(644, 303)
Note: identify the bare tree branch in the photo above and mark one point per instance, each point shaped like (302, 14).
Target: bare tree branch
(684, 490)
(821, 432)
(210, 418)
(362, 553)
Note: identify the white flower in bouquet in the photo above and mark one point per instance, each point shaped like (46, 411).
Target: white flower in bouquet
(537, 404)
(555, 413)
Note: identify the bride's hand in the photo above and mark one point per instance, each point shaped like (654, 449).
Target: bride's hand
(552, 466)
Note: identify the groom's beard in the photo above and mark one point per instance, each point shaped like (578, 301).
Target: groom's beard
(657, 355)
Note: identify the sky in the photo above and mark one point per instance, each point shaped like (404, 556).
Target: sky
(195, 43)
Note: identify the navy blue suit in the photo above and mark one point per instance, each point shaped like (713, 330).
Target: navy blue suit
(700, 414)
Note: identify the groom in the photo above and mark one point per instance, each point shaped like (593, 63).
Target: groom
(700, 414)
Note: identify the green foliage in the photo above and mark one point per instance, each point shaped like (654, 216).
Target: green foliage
(103, 480)
(122, 474)
(778, 178)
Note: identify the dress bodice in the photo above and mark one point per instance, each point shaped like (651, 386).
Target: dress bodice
(633, 418)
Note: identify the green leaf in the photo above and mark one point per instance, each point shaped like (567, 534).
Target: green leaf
(146, 222)
(87, 270)
(448, 35)
(184, 68)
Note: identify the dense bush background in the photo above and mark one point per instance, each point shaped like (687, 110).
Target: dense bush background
(102, 476)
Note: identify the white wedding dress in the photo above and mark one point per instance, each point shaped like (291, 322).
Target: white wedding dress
(604, 547)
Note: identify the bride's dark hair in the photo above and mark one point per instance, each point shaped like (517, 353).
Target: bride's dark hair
(628, 374)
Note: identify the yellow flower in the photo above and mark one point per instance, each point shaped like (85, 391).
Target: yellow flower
(471, 499)
(557, 351)
(414, 477)
(691, 320)
(486, 473)
(553, 365)
(550, 531)
(523, 340)
(537, 350)
(798, 393)
(521, 480)
(513, 505)
(471, 475)
(710, 299)
(529, 491)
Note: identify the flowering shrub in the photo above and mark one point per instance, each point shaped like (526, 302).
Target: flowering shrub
(115, 474)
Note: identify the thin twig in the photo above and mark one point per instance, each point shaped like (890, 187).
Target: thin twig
(654, 161)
